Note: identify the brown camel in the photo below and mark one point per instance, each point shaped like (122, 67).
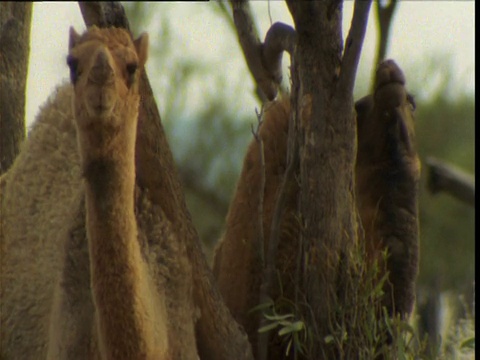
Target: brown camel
(91, 269)
(387, 174)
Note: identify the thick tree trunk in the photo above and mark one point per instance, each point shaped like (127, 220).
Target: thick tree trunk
(322, 99)
(15, 21)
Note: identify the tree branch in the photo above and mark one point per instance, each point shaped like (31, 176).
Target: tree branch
(447, 178)
(92, 13)
(384, 16)
(353, 46)
(222, 7)
(104, 14)
(251, 46)
(263, 60)
(385, 13)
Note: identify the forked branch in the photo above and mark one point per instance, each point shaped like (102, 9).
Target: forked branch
(384, 15)
(264, 60)
(385, 11)
(353, 46)
(445, 177)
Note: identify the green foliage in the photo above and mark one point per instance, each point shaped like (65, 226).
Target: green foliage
(213, 148)
(291, 329)
(358, 329)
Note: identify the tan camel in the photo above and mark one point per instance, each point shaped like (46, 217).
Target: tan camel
(91, 268)
(236, 262)
(387, 174)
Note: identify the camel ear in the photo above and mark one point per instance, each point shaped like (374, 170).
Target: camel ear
(74, 38)
(141, 45)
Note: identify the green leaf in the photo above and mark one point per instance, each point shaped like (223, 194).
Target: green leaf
(278, 317)
(328, 339)
(403, 326)
(292, 327)
(268, 327)
(289, 346)
(263, 306)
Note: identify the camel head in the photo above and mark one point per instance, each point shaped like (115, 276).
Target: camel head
(104, 69)
(386, 118)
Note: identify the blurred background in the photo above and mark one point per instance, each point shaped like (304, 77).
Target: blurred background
(207, 101)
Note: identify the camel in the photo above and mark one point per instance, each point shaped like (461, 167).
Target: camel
(387, 174)
(91, 269)
(387, 178)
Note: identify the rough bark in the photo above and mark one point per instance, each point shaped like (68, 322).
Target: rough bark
(15, 21)
(218, 335)
(322, 99)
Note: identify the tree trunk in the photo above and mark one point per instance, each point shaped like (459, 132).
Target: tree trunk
(15, 21)
(322, 99)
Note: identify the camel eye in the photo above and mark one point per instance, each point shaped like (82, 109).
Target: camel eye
(72, 63)
(131, 68)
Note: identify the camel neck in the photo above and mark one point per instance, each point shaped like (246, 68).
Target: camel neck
(108, 157)
(117, 273)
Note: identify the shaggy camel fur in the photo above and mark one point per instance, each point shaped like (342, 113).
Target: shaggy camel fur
(91, 269)
(387, 174)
